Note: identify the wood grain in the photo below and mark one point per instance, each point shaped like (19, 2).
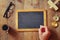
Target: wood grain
(27, 35)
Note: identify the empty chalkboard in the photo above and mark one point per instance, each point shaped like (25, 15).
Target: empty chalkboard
(30, 19)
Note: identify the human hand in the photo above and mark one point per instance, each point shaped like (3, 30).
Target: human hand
(43, 33)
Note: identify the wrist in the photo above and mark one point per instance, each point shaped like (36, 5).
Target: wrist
(43, 39)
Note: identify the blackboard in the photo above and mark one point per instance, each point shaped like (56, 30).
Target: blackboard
(31, 19)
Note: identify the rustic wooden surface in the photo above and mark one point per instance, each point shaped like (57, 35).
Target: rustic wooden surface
(14, 35)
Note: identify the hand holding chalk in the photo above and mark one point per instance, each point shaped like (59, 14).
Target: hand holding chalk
(43, 33)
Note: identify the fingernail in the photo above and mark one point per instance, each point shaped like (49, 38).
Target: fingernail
(43, 30)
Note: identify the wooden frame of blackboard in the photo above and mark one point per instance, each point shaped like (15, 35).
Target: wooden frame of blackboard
(32, 10)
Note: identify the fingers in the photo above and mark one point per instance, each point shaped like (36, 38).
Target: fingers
(40, 31)
(43, 32)
(43, 29)
(46, 29)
